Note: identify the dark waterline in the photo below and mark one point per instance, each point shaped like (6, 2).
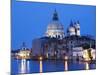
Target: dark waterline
(30, 66)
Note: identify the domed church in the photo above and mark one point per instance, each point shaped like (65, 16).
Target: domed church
(55, 44)
(55, 28)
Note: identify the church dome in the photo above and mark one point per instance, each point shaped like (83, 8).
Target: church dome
(55, 25)
(71, 29)
(55, 28)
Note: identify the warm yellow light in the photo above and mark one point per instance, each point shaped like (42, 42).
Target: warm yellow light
(40, 58)
(47, 55)
(86, 55)
(66, 65)
(66, 57)
(40, 66)
(87, 65)
(21, 54)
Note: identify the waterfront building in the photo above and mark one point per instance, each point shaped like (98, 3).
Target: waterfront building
(38, 46)
(93, 53)
(24, 52)
(78, 42)
(89, 54)
(77, 51)
(55, 44)
(48, 47)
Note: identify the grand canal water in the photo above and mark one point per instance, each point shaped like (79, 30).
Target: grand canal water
(30, 66)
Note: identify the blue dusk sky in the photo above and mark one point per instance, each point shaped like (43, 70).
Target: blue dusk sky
(29, 20)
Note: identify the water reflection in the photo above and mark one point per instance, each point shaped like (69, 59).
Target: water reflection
(66, 65)
(41, 66)
(86, 65)
(30, 66)
(23, 66)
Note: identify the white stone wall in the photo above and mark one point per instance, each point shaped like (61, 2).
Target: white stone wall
(78, 51)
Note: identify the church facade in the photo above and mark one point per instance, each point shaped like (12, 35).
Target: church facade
(55, 44)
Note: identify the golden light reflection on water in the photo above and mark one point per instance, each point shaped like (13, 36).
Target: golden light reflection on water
(86, 65)
(41, 66)
(66, 65)
(23, 66)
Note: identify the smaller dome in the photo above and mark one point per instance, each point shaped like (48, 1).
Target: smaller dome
(71, 29)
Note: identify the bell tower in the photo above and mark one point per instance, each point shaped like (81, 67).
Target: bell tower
(77, 27)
